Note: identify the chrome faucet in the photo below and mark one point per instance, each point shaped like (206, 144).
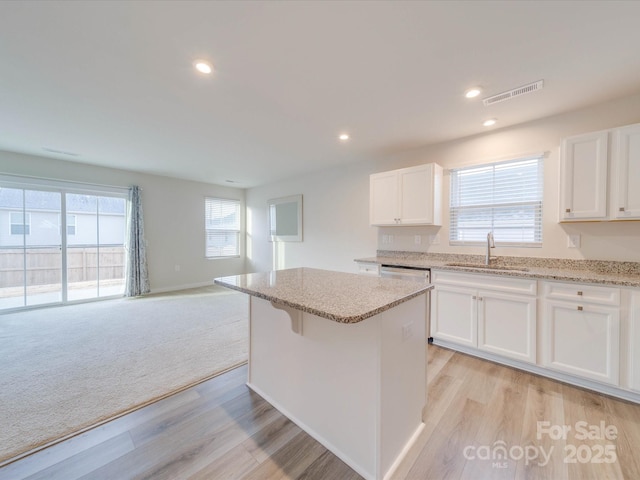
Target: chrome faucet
(490, 244)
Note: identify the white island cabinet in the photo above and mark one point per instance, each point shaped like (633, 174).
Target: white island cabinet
(343, 356)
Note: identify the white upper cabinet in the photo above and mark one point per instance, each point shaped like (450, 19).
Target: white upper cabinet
(408, 196)
(625, 199)
(383, 198)
(587, 192)
(583, 177)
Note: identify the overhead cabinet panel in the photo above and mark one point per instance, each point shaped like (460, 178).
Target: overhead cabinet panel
(600, 176)
(625, 203)
(416, 195)
(383, 198)
(584, 177)
(408, 196)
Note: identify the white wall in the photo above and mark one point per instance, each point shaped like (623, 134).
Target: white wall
(335, 221)
(173, 212)
(336, 201)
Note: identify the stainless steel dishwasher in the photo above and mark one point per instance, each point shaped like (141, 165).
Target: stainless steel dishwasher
(416, 274)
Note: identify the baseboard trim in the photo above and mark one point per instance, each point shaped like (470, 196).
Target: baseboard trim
(544, 372)
(185, 286)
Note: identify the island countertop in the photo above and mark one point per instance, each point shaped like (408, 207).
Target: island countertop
(341, 297)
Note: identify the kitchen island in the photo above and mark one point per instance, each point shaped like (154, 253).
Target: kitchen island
(343, 356)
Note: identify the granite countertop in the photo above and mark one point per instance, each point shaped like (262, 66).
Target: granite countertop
(337, 296)
(600, 272)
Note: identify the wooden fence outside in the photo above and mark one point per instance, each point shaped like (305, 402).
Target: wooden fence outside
(44, 265)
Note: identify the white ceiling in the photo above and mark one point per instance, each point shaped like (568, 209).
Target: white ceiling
(114, 83)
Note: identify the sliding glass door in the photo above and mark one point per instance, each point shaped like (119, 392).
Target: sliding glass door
(58, 247)
(30, 248)
(95, 246)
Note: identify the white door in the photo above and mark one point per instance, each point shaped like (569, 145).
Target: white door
(507, 325)
(453, 315)
(625, 203)
(416, 197)
(583, 173)
(383, 198)
(582, 340)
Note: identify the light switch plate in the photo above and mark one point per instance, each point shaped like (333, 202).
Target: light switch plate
(417, 239)
(573, 240)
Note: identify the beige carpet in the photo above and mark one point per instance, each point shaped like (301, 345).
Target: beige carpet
(64, 369)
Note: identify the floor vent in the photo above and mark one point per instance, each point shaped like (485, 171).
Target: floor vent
(516, 92)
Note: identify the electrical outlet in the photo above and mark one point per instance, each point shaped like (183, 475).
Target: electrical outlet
(417, 239)
(407, 331)
(573, 241)
(176, 267)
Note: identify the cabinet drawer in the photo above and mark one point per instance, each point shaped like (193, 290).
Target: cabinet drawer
(581, 293)
(497, 282)
(372, 269)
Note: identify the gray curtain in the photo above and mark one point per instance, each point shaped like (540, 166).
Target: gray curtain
(136, 275)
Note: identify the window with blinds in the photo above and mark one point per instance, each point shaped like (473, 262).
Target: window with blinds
(222, 227)
(504, 198)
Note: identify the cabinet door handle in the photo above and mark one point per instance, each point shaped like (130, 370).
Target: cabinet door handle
(474, 297)
(580, 293)
(621, 209)
(580, 308)
(568, 210)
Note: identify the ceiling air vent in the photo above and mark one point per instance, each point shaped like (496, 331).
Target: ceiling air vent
(516, 92)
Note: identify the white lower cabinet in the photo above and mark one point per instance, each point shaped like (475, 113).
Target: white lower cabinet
(487, 313)
(453, 314)
(581, 327)
(582, 339)
(507, 325)
(633, 341)
(584, 334)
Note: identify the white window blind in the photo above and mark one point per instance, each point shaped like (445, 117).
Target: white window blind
(504, 198)
(222, 227)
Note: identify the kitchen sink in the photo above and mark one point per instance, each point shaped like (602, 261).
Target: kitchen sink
(488, 267)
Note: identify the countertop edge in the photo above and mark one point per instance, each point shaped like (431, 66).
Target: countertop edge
(561, 275)
(346, 319)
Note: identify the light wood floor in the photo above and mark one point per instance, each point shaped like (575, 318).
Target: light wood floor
(221, 430)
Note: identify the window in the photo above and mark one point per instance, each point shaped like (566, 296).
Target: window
(71, 224)
(504, 198)
(222, 227)
(20, 223)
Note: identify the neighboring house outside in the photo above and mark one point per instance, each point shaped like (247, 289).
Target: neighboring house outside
(42, 220)
(95, 237)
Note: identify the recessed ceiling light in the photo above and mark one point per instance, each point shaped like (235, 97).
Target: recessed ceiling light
(473, 92)
(344, 137)
(203, 66)
(490, 122)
